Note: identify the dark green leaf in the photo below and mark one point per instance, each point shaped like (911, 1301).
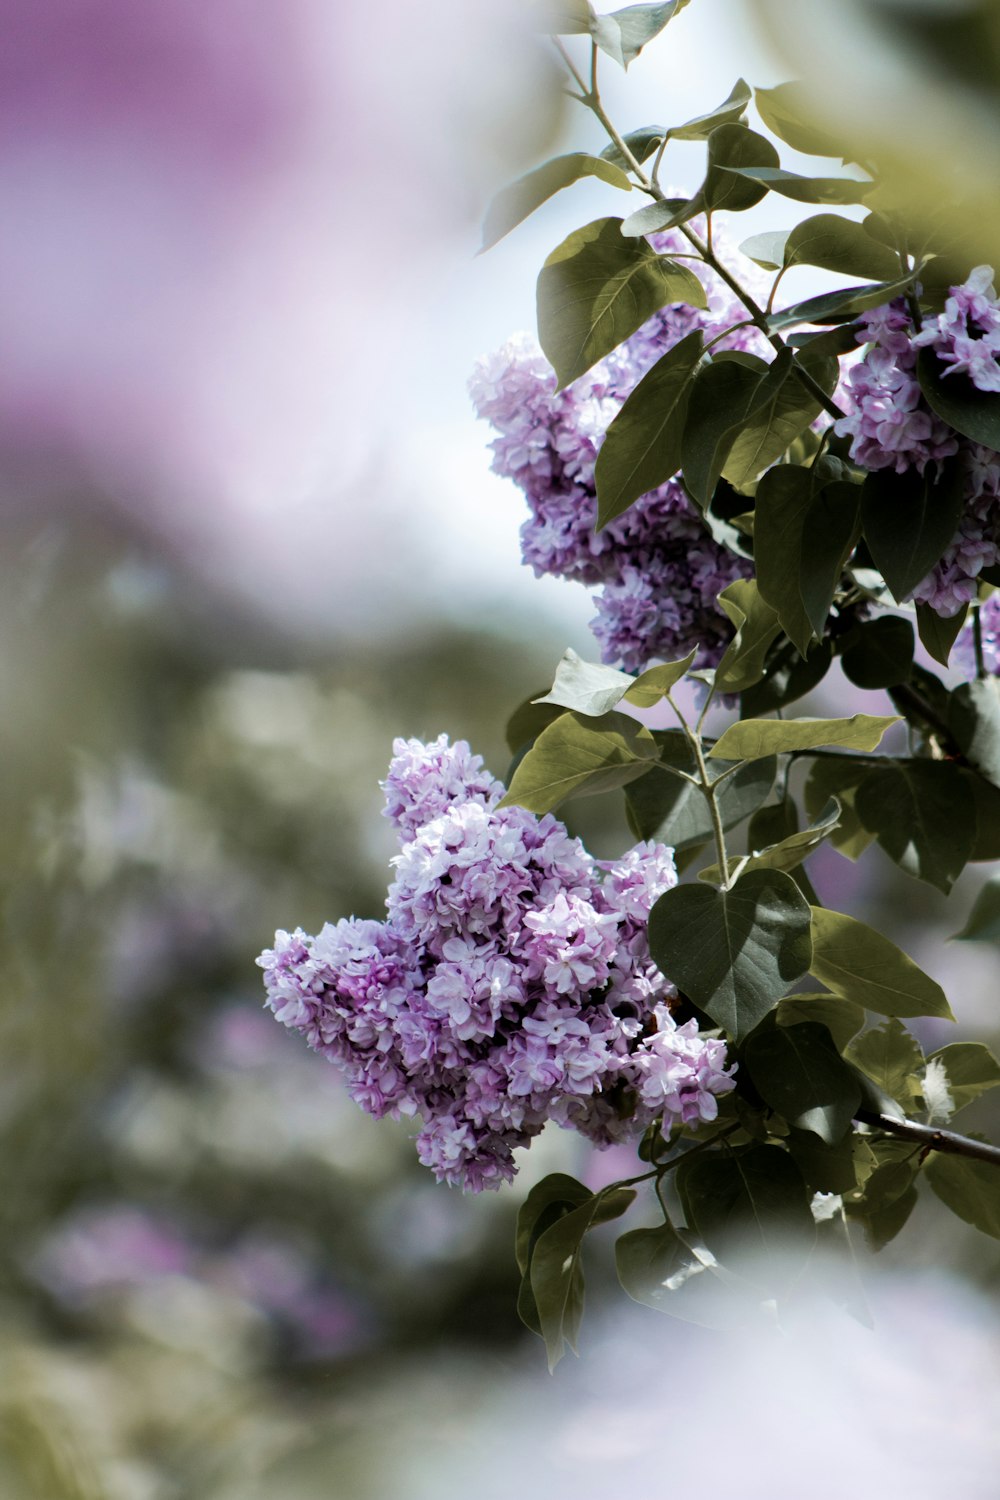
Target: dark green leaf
(880, 654)
(788, 112)
(597, 288)
(891, 1058)
(830, 530)
(971, 1189)
(726, 113)
(750, 1208)
(750, 738)
(908, 520)
(527, 722)
(840, 777)
(663, 807)
(838, 306)
(735, 146)
(787, 854)
(787, 677)
(983, 924)
(828, 1169)
(986, 802)
(841, 245)
(971, 1068)
(973, 413)
(641, 144)
(811, 190)
(642, 447)
(722, 396)
(783, 499)
(884, 1223)
(557, 1192)
(974, 720)
(513, 204)
(842, 1018)
(756, 627)
(663, 214)
(799, 1072)
(665, 1270)
(781, 412)
(733, 952)
(923, 814)
(576, 757)
(939, 633)
(624, 33)
(855, 961)
(556, 1273)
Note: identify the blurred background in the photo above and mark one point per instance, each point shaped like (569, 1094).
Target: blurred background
(247, 536)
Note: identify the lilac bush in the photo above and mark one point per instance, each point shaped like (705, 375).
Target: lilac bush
(510, 983)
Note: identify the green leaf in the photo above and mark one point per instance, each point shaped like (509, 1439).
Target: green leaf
(586, 686)
(939, 633)
(756, 627)
(973, 413)
(556, 1273)
(787, 111)
(839, 777)
(983, 924)
(722, 396)
(624, 33)
(840, 245)
(971, 1189)
(734, 146)
(513, 204)
(726, 113)
(662, 807)
(880, 653)
(786, 854)
(923, 815)
(783, 500)
(891, 1058)
(908, 520)
(576, 757)
(971, 1068)
(799, 1072)
(986, 803)
(750, 1207)
(527, 722)
(662, 1269)
(663, 214)
(750, 738)
(642, 447)
(597, 288)
(556, 1192)
(653, 685)
(733, 952)
(809, 189)
(855, 961)
(974, 720)
(787, 677)
(779, 415)
(885, 1222)
(767, 250)
(564, 17)
(641, 143)
(829, 1169)
(838, 306)
(830, 530)
(842, 1018)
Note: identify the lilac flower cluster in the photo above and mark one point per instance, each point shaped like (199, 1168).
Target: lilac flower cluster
(510, 984)
(892, 427)
(659, 569)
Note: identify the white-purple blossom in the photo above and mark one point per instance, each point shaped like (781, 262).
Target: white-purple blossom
(891, 426)
(510, 984)
(660, 571)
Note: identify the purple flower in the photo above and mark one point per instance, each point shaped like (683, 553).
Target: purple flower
(510, 984)
(963, 653)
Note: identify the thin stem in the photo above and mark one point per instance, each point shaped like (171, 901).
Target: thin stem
(708, 791)
(713, 1140)
(931, 1137)
(655, 174)
(774, 289)
(977, 636)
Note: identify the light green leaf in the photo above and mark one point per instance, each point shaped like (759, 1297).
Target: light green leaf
(787, 111)
(789, 852)
(971, 1189)
(597, 288)
(840, 245)
(855, 961)
(971, 1068)
(809, 189)
(663, 214)
(726, 113)
(750, 738)
(564, 17)
(653, 685)
(908, 520)
(973, 413)
(641, 144)
(767, 250)
(513, 204)
(624, 33)
(923, 814)
(588, 687)
(642, 447)
(733, 952)
(756, 627)
(891, 1058)
(799, 1072)
(577, 757)
(842, 1018)
(983, 924)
